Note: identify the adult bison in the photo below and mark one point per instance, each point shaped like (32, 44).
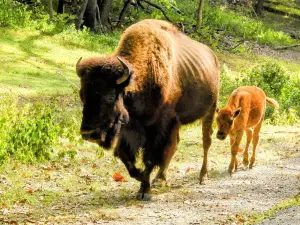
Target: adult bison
(137, 98)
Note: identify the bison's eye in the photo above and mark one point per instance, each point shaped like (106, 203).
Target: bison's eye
(230, 122)
(109, 97)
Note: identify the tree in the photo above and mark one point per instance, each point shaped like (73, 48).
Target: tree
(259, 6)
(60, 7)
(199, 15)
(95, 15)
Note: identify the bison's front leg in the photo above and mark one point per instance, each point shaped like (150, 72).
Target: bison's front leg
(145, 191)
(127, 155)
(169, 148)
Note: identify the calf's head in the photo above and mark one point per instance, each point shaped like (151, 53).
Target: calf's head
(102, 88)
(225, 121)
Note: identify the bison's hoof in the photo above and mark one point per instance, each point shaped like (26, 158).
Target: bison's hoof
(159, 183)
(143, 196)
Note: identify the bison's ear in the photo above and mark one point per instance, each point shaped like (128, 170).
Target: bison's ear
(237, 112)
(125, 78)
(79, 68)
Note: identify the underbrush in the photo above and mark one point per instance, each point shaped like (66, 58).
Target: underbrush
(276, 83)
(37, 130)
(218, 22)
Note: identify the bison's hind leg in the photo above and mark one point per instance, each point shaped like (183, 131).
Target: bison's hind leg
(207, 131)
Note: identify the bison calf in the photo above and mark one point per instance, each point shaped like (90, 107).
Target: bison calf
(244, 111)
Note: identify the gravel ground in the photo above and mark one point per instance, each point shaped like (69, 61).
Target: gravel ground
(220, 201)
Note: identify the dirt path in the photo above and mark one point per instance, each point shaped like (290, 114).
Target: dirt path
(219, 201)
(82, 191)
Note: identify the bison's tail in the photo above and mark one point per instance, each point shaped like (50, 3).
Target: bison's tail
(273, 102)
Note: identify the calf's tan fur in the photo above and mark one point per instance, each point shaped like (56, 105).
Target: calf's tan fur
(244, 111)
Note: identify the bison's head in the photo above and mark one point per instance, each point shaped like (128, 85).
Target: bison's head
(102, 88)
(225, 121)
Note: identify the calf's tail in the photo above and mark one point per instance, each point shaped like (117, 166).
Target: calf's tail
(273, 102)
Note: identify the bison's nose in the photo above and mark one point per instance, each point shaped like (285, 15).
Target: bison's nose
(89, 134)
(221, 135)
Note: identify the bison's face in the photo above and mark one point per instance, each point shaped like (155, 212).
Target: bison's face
(225, 120)
(102, 88)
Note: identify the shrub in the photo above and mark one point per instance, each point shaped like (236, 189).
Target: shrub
(31, 131)
(13, 14)
(270, 77)
(275, 82)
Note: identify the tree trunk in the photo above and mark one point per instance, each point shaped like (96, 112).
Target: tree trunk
(50, 9)
(105, 6)
(259, 6)
(60, 7)
(95, 15)
(199, 16)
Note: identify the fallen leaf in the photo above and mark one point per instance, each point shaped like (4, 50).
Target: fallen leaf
(119, 177)
(30, 191)
(94, 165)
(47, 168)
(298, 176)
(67, 190)
(187, 169)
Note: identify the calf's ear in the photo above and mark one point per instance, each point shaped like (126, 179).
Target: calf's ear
(237, 112)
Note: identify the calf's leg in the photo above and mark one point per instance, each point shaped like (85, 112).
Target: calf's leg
(246, 154)
(255, 142)
(234, 151)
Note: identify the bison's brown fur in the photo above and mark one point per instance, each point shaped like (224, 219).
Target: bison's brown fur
(174, 80)
(244, 111)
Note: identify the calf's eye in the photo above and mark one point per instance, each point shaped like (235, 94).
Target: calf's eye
(230, 122)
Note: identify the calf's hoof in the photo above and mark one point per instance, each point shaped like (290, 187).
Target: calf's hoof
(245, 163)
(231, 170)
(203, 179)
(143, 196)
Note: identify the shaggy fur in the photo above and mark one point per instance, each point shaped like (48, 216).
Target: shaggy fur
(174, 80)
(244, 111)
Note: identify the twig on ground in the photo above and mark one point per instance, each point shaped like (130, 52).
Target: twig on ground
(59, 72)
(286, 47)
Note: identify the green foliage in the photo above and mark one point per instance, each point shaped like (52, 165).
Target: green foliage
(270, 77)
(31, 131)
(13, 14)
(70, 37)
(274, 80)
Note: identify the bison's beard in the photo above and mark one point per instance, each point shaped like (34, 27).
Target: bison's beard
(109, 137)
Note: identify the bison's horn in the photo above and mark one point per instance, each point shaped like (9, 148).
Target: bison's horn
(127, 71)
(77, 67)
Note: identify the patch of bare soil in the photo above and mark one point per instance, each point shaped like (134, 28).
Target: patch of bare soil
(219, 201)
(290, 54)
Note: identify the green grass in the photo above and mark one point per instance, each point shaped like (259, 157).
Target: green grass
(247, 218)
(32, 60)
